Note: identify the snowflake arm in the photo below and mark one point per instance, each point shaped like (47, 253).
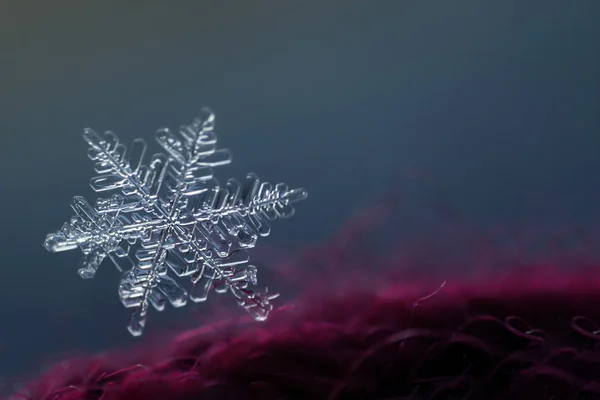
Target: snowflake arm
(177, 219)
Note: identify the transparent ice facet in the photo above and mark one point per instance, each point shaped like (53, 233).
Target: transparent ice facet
(169, 219)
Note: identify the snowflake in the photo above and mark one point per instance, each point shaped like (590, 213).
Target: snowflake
(172, 217)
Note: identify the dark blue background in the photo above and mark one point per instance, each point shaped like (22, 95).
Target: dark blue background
(499, 100)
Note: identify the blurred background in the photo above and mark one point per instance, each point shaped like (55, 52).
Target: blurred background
(499, 100)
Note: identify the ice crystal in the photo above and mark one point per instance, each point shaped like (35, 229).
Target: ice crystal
(170, 218)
